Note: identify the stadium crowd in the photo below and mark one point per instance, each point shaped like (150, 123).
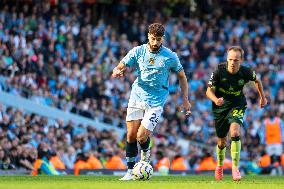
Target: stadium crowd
(63, 56)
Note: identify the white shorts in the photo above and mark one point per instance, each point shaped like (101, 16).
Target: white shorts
(150, 115)
(274, 149)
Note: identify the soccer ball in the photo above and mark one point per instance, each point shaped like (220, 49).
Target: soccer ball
(142, 171)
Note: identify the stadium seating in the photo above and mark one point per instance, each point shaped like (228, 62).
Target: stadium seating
(62, 57)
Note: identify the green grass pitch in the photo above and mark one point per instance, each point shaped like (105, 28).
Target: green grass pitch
(164, 182)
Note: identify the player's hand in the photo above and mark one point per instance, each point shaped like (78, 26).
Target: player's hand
(220, 101)
(117, 72)
(262, 102)
(186, 106)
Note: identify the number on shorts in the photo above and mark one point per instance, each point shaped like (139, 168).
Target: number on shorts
(238, 113)
(154, 119)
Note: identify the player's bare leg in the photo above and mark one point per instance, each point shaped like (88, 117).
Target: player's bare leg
(220, 151)
(143, 137)
(235, 150)
(131, 147)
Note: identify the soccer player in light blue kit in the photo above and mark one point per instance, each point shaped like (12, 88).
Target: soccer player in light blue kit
(153, 62)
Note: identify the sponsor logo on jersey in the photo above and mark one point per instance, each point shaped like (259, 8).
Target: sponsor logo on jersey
(236, 93)
(241, 82)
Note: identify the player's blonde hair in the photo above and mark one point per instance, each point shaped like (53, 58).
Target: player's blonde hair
(237, 48)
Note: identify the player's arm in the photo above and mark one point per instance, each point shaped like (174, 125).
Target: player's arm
(118, 71)
(210, 92)
(263, 100)
(252, 77)
(184, 91)
(127, 61)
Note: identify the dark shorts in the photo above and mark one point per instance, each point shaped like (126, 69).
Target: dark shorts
(224, 117)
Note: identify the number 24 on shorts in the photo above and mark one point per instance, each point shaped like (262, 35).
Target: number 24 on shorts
(154, 118)
(238, 113)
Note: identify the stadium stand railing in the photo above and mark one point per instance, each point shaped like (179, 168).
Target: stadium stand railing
(53, 113)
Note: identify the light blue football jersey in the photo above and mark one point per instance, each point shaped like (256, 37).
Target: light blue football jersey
(151, 85)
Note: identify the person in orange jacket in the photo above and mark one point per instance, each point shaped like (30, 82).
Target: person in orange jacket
(264, 161)
(272, 135)
(114, 162)
(207, 163)
(94, 162)
(42, 165)
(162, 161)
(57, 162)
(80, 163)
(163, 164)
(179, 163)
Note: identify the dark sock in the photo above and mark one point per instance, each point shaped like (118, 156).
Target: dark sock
(131, 153)
(146, 145)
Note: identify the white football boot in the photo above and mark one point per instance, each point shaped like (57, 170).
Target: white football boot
(128, 176)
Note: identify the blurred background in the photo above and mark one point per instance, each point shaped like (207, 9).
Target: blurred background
(61, 112)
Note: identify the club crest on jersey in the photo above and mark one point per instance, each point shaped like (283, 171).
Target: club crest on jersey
(241, 82)
(224, 79)
(151, 61)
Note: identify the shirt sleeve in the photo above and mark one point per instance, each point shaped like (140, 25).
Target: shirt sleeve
(176, 65)
(213, 79)
(130, 58)
(250, 74)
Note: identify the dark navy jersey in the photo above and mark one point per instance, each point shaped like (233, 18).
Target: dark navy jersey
(230, 86)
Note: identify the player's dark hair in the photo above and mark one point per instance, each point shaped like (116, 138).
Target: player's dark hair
(236, 48)
(156, 29)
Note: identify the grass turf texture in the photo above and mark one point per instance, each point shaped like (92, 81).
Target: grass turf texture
(164, 182)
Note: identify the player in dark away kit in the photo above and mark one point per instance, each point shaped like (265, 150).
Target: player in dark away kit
(229, 104)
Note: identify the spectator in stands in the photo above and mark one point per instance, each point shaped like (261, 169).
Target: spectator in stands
(163, 163)
(272, 135)
(56, 161)
(69, 157)
(42, 164)
(179, 163)
(114, 161)
(93, 161)
(206, 162)
(80, 163)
